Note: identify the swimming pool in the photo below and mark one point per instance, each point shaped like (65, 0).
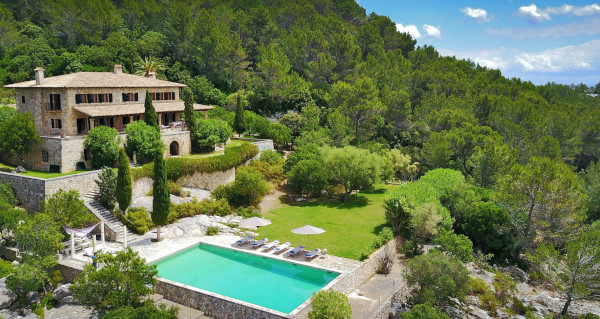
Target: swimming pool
(267, 282)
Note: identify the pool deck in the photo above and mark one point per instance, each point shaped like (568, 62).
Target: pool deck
(187, 233)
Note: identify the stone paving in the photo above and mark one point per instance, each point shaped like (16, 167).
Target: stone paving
(371, 295)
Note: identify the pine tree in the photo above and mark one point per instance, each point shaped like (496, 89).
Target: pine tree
(150, 116)
(188, 111)
(238, 121)
(161, 202)
(124, 188)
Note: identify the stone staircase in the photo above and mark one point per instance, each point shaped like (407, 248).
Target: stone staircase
(91, 202)
(184, 311)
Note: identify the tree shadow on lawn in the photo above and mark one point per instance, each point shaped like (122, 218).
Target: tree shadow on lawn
(353, 202)
(378, 228)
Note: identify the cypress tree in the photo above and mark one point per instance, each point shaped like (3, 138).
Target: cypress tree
(188, 111)
(238, 121)
(150, 116)
(124, 188)
(161, 202)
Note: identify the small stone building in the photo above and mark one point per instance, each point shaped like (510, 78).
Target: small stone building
(66, 107)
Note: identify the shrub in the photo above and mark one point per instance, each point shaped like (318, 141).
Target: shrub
(424, 311)
(385, 261)
(103, 143)
(206, 133)
(247, 212)
(272, 157)
(174, 189)
(107, 183)
(5, 268)
(138, 220)
(248, 188)
(435, 278)
(330, 304)
(385, 235)
(459, 246)
(178, 167)
(142, 139)
(121, 280)
(7, 194)
(205, 207)
(477, 286)
(272, 172)
(66, 209)
(504, 286)
(489, 302)
(149, 310)
(26, 278)
(212, 230)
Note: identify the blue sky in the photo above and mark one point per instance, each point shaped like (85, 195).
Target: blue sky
(539, 41)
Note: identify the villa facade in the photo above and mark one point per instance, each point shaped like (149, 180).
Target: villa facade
(66, 107)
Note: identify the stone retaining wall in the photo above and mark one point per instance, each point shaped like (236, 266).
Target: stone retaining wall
(9, 253)
(212, 305)
(31, 191)
(69, 272)
(208, 181)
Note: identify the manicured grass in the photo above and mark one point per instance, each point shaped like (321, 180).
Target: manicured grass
(350, 227)
(221, 152)
(40, 174)
(5, 268)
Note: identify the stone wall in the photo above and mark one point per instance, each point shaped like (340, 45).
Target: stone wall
(69, 271)
(30, 191)
(83, 183)
(212, 305)
(9, 253)
(208, 181)
(141, 187)
(176, 135)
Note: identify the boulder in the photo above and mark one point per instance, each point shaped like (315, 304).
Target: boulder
(62, 292)
(19, 169)
(478, 313)
(7, 297)
(454, 313)
(33, 297)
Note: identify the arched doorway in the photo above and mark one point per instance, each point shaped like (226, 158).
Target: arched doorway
(174, 148)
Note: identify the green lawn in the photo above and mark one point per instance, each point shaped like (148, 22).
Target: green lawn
(350, 227)
(202, 155)
(39, 174)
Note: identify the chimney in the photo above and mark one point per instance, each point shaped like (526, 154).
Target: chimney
(151, 75)
(39, 75)
(118, 69)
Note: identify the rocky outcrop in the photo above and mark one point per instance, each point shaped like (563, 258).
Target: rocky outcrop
(62, 292)
(7, 297)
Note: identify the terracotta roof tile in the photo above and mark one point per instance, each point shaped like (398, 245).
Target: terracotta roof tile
(133, 109)
(97, 80)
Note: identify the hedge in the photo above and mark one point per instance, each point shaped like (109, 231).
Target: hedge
(178, 167)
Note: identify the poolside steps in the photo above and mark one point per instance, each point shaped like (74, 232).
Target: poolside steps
(184, 312)
(90, 200)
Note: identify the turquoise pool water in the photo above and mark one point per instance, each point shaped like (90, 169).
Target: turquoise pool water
(266, 282)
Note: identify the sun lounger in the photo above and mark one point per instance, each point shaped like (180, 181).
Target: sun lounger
(244, 240)
(296, 250)
(283, 247)
(313, 253)
(257, 244)
(270, 245)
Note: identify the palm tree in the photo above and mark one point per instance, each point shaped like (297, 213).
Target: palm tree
(150, 64)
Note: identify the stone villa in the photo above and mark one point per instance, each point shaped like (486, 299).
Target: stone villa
(66, 107)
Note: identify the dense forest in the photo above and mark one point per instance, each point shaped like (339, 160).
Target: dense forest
(507, 165)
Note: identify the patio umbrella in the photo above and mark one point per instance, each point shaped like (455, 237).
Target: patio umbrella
(308, 230)
(254, 222)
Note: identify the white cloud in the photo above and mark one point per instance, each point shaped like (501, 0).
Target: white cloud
(478, 14)
(534, 13)
(432, 31)
(580, 58)
(410, 29)
(577, 11)
(585, 56)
